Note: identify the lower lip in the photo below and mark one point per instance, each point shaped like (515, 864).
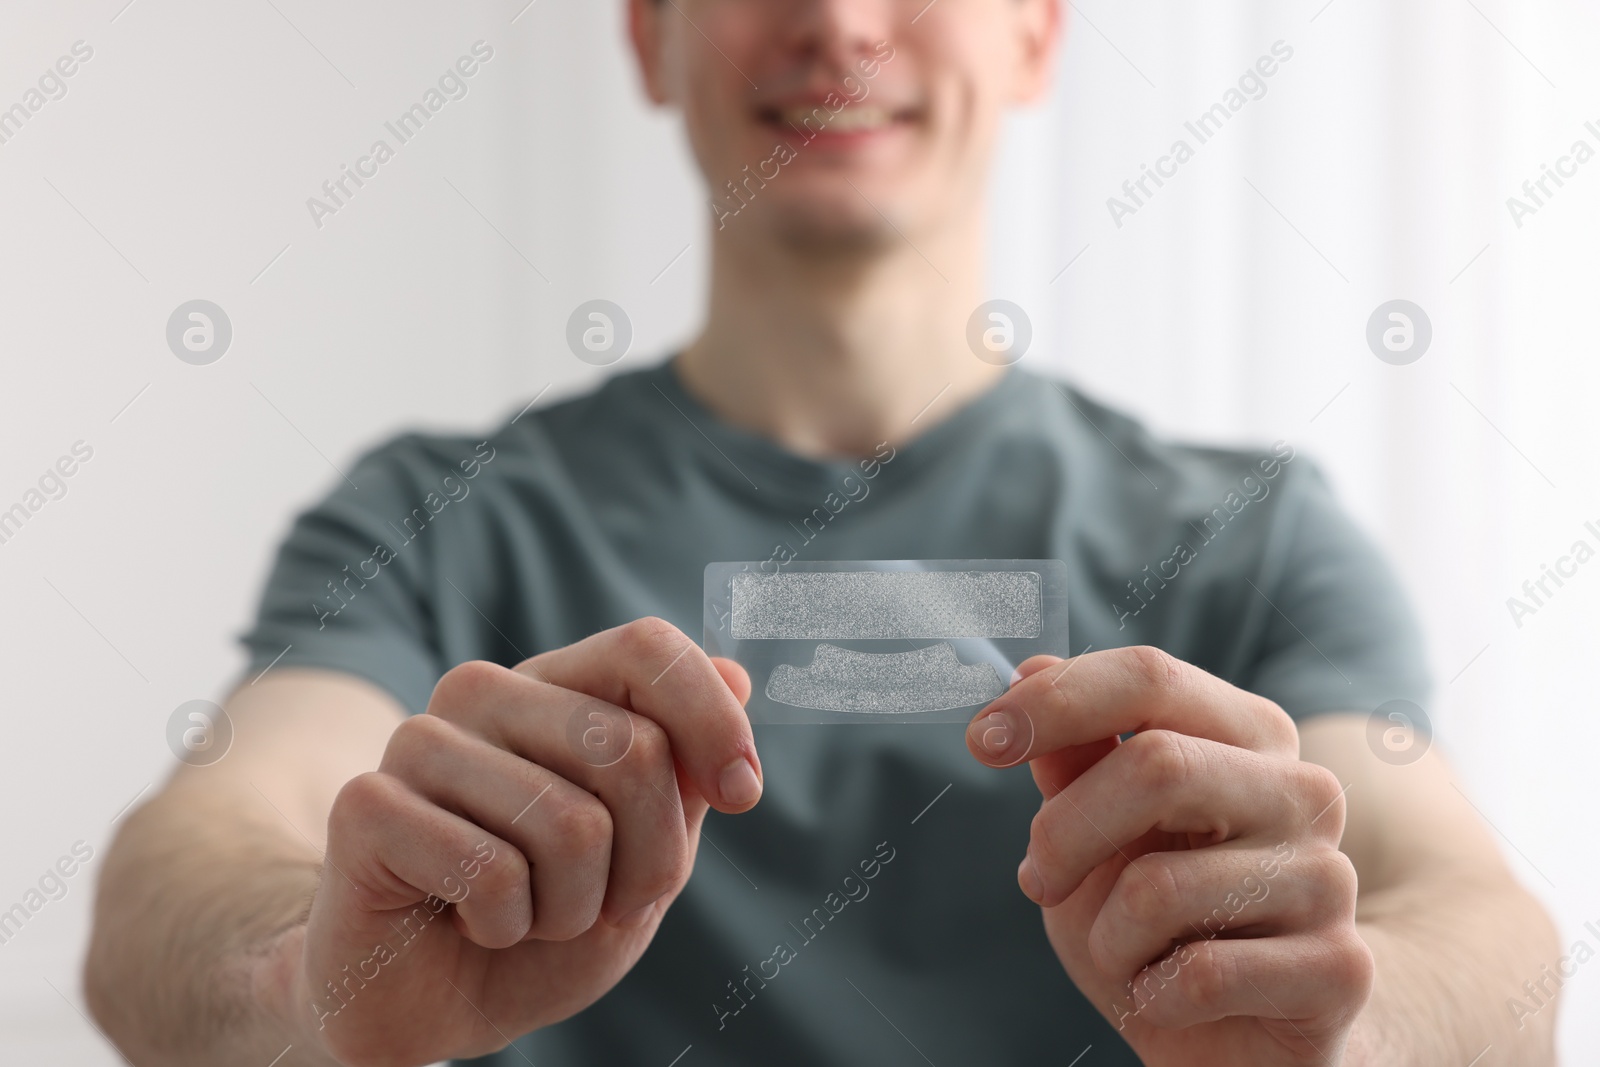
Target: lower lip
(828, 138)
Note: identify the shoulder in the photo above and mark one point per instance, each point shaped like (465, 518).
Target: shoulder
(535, 432)
(1126, 467)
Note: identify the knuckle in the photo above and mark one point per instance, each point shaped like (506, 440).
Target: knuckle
(579, 828)
(414, 739)
(1148, 891)
(1280, 728)
(678, 863)
(1337, 884)
(1208, 979)
(1322, 796)
(1042, 843)
(566, 923)
(672, 873)
(651, 637)
(1164, 758)
(363, 799)
(1350, 971)
(650, 747)
(503, 874)
(355, 826)
(1158, 669)
(1103, 944)
(678, 867)
(465, 684)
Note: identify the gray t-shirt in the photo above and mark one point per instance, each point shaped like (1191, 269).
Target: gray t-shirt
(594, 511)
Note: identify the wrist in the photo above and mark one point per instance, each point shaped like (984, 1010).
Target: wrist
(1364, 1048)
(280, 991)
(1367, 1045)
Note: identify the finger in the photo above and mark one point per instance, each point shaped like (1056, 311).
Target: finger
(624, 759)
(1314, 983)
(650, 667)
(1053, 771)
(1163, 898)
(1033, 665)
(736, 677)
(563, 831)
(1175, 784)
(1124, 690)
(389, 846)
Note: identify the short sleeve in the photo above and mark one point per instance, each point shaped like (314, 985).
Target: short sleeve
(348, 592)
(1337, 631)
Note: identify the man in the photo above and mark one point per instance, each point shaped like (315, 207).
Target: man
(416, 851)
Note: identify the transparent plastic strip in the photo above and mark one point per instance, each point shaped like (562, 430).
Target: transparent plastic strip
(882, 640)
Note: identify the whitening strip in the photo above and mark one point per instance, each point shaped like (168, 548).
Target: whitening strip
(882, 641)
(879, 605)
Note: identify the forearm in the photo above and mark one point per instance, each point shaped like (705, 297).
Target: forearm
(191, 960)
(1452, 955)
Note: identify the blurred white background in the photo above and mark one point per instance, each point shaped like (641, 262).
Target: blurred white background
(1232, 306)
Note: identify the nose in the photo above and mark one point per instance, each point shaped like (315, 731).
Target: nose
(839, 30)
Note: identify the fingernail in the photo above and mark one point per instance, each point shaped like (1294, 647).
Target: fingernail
(1028, 879)
(993, 733)
(739, 784)
(635, 919)
(1016, 676)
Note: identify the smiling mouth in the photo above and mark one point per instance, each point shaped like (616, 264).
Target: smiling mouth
(818, 118)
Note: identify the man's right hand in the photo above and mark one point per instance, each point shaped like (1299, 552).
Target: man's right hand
(557, 806)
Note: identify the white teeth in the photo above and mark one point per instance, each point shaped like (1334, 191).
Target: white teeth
(852, 118)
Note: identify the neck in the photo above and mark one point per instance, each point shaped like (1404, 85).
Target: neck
(828, 354)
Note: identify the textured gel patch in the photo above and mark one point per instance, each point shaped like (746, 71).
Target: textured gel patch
(884, 641)
(885, 605)
(924, 679)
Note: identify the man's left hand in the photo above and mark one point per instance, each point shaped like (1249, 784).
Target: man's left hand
(1190, 876)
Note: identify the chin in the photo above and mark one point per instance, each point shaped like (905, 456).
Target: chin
(831, 223)
(820, 235)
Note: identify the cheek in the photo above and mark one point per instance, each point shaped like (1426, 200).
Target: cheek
(715, 103)
(954, 155)
(714, 130)
(965, 87)
(711, 56)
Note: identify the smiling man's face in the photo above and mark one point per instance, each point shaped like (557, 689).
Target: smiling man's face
(843, 122)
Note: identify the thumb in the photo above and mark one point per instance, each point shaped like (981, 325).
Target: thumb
(1054, 771)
